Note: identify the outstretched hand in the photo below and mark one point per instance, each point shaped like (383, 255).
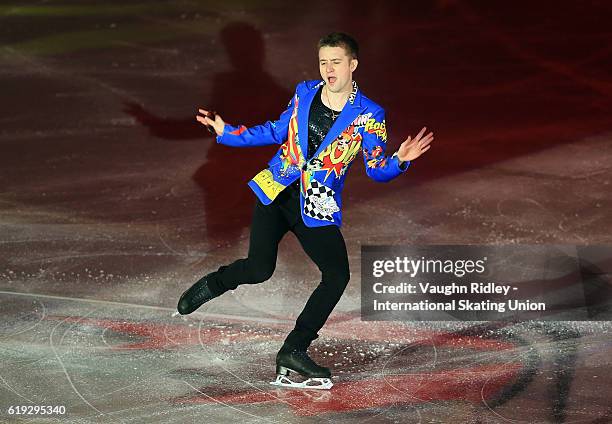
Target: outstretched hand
(211, 120)
(412, 148)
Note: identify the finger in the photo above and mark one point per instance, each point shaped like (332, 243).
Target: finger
(430, 135)
(425, 149)
(203, 111)
(425, 142)
(420, 134)
(204, 120)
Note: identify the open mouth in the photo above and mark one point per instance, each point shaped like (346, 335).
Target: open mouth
(331, 80)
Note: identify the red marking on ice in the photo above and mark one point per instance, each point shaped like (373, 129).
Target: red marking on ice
(468, 384)
(351, 327)
(165, 336)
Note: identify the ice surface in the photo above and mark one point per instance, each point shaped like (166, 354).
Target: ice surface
(111, 205)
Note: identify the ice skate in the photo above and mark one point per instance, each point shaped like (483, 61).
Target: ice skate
(194, 297)
(298, 361)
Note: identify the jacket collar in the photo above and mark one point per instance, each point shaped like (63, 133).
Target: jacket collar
(350, 111)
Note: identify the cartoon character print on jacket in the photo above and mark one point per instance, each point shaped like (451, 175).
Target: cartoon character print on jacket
(319, 200)
(375, 158)
(340, 153)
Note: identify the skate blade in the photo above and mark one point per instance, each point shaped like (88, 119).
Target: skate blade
(177, 315)
(315, 383)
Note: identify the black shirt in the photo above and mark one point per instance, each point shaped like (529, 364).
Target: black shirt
(320, 120)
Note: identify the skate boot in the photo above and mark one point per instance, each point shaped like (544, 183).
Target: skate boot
(298, 361)
(194, 297)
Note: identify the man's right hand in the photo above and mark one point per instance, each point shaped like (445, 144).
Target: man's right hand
(218, 124)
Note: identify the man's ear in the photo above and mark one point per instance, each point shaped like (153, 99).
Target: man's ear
(353, 65)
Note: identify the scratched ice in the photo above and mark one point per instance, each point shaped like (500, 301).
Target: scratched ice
(114, 201)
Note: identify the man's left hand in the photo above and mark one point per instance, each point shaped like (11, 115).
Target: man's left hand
(412, 148)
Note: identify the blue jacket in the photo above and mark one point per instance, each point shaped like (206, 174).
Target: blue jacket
(360, 126)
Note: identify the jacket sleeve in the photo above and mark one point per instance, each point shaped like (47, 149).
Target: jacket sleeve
(378, 166)
(272, 132)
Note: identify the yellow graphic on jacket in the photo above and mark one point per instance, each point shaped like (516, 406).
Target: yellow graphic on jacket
(265, 181)
(378, 128)
(338, 155)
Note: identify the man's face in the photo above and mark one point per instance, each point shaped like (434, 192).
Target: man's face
(336, 68)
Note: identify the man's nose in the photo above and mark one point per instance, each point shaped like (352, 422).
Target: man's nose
(330, 68)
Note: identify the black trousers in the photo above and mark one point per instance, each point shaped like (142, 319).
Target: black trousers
(324, 245)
